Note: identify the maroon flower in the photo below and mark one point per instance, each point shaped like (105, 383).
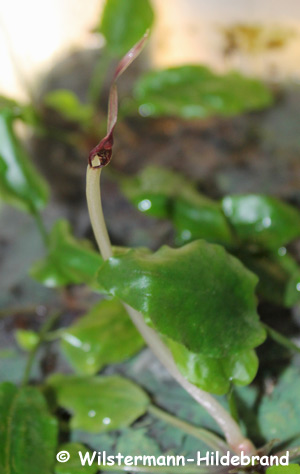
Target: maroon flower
(101, 154)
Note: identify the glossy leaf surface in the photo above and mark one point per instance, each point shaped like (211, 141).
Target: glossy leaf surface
(261, 220)
(163, 193)
(200, 218)
(74, 466)
(66, 103)
(27, 340)
(197, 295)
(27, 432)
(215, 375)
(194, 91)
(154, 189)
(99, 404)
(105, 335)
(69, 260)
(20, 183)
(124, 23)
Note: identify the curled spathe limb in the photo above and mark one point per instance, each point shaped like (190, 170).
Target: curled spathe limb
(101, 154)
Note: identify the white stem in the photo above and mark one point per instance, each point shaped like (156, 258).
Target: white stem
(94, 203)
(230, 428)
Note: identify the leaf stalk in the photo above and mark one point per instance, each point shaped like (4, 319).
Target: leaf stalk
(209, 438)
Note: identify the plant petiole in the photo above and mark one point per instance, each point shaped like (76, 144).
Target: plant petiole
(280, 339)
(212, 440)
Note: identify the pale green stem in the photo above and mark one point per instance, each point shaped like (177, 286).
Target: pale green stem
(94, 203)
(230, 428)
(282, 340)
(209, 438)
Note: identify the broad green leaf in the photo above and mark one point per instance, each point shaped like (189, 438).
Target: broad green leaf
(279, 276)
(27, 340)
(290, 469)
(163, 193)
(215, 375)
(279, 413)
(99, 404)
(197, 295)
(27, 432)
(69, 261)
(262, 221)
(20, 183)
(194, 91)
(105, 335)
(74, 466)
(67, 104)
(124, 23)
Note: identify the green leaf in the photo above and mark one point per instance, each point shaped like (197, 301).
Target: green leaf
(27, 432)
(66, 103)
(153, 190)
(279, 413)
(27, 340)
(215, 375)
(20, 183)
(124, 23)
(196, 92)
(262, 221)
(200, 218)
(99, 404)
(290, 469)
(198, 295)
(69, 261)
(279, 276)
(105, 335)
(74, 466)
(163, 193)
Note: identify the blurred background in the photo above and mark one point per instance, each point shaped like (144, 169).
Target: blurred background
(256, 37)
